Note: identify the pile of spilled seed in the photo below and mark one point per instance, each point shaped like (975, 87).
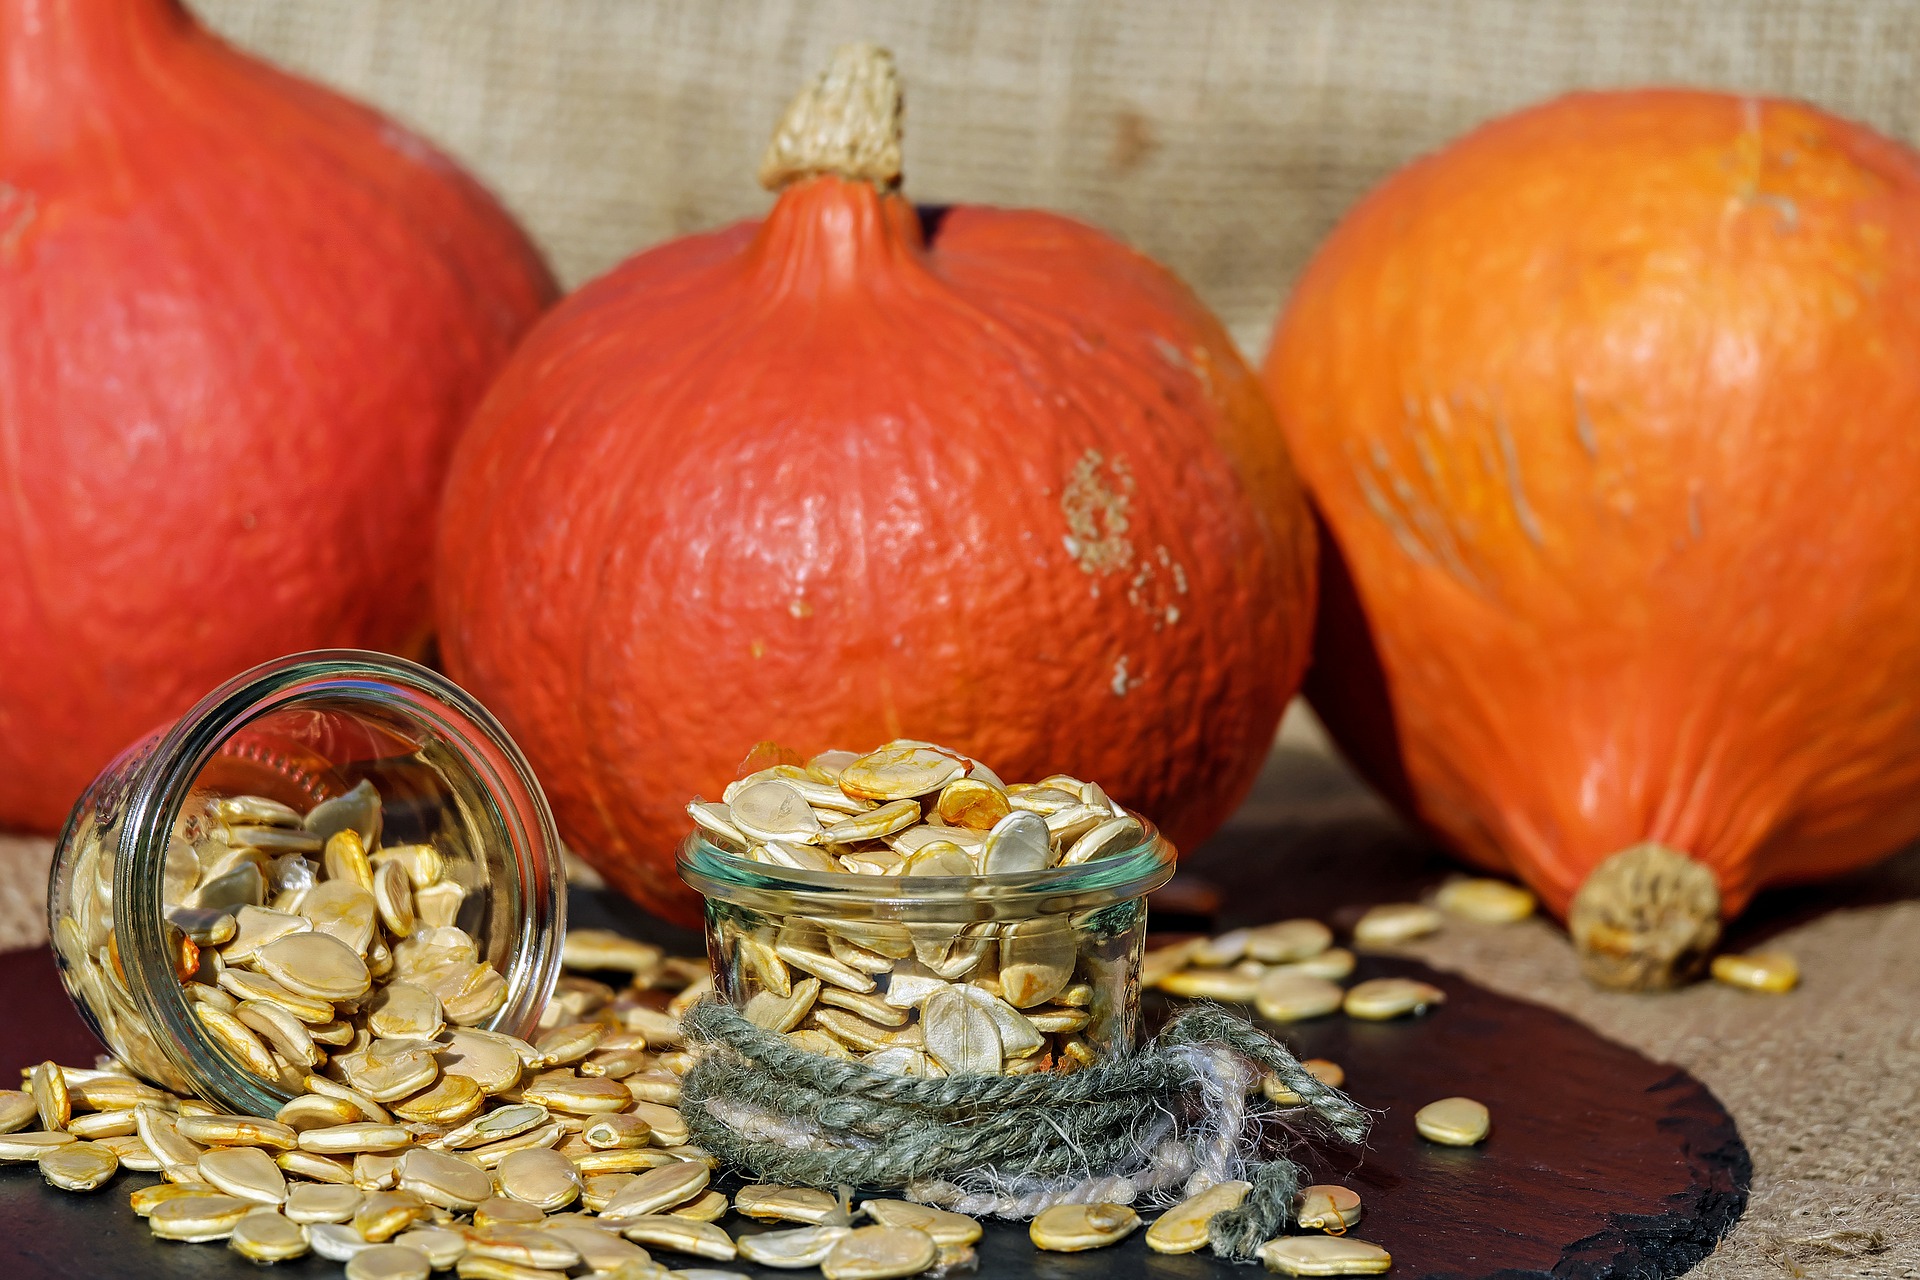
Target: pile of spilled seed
(575, 1161)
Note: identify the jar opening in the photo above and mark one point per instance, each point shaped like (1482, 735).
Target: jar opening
(336, 726)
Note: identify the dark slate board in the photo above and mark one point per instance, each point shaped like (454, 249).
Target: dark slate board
(1601, 1164)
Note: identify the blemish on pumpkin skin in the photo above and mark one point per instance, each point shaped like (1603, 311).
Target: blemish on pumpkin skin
(1583, 426)
(799, 608)
(1122, 682)
(1516, 489)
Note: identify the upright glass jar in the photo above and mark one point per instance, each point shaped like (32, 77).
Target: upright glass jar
(935, 975)
(229, 807)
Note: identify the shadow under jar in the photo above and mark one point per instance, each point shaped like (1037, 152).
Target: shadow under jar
(935, 975)
(237, 811)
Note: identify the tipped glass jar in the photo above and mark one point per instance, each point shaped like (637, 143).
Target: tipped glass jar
(233, 896)
(924, 918)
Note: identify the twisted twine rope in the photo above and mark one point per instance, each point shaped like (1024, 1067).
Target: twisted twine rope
(1132, 1126)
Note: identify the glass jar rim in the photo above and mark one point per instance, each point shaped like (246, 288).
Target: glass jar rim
(727, 877)
(163, 781)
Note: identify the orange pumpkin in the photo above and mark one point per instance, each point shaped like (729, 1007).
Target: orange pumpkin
(977, 476)
(1610, 407)
(241, 322)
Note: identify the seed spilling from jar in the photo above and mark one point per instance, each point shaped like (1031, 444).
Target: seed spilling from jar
(996, 997)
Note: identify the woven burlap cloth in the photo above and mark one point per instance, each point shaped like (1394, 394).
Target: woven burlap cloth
(1224, 137)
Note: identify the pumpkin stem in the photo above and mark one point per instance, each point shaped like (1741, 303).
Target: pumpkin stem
(1646, 919)
(847, 122)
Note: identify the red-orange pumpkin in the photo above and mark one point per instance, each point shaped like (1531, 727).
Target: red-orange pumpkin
(982, 477)
(242, 320)
(1611, 409)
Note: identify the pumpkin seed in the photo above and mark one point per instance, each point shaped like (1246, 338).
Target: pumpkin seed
(448, 1100)
(1772, 971)
(203, 926)
(899, 771)
(442, 1246)
(17, 1110)
(658, 1190)
(246, 1172)
(358, 810)
(351, 1138)
(1017, 843)
(544, 1179)
(1378, 999)
(51, 1100)
(254, 988)
(101, 1124)
(1324, 1256)
(775, 810)
(803, 1247)
(315, 964)
(444, 1180)
(600, 1251)
(1295, 997)
(344, 910)
(1333, 964)
(319, 1168)
(1453, 1122)
(486, 1060)
(384, 1214)
(1109, 837)
(1071, 1228)
(1184, 1228)
(1212, 984)
(1487, 901)
(264, 1235)
(367, 1108)
(198, 1218)
(499, 1211)
(389, 1262)
(1037, 959)
(393, 896)
(337, 1242)
(769, 1203)
(879, 1253)
(570, 1043)
(507, 1122)
(236, 1131)
(309, 1202)
(946, 1228)
(1326, 1207)
(233, 1035)
(576, 1095)
(143, 1199)
(613, 1132)
(281, 1030)
(959, 1034)
(604, 949)
(79, 1166)
(681, 1235)
(1392, 923)
(438, 905)
(493, 1153)
(1288, 941)
(259, 811)
(708, 1206)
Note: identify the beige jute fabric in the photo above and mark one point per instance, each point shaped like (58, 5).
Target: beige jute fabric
(1224, 137)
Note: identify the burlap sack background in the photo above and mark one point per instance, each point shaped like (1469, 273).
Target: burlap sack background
(1224, 137)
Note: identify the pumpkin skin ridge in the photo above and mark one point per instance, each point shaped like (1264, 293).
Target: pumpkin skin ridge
(125, 605)
(1778, 760)
(621, 836)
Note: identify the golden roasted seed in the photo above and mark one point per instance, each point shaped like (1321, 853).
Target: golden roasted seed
(405, 1011)
(393, 898)
(246, 1172)
(350, 1138)
(499, 1211)
(544, 1179)
(1392, 923)
(198, 1218)
(264, 1235)
(1488, 901)
(79, 1166)
(444, 1180)
(947, 1229)
(960, 1035)
(1288, 941)
(507, 1122)
(1294, 997)
(708, 1206)
(600, 1251)
(489, 1061)
(522, 1246)
(493, 1153)
(236, 1131)
(1184, 1227)
(1770, 971)
(337, 1242)
(805, 1247)
(658, 1190)
(443, 1246)
(879, 1253)
(576, 1095)
(1324, 1256)
(770, 1012)
(1454, 1122)
(1070, 1228)
(599, 949)
(565, 1045)
(609, 1132)
(17, 1110)
(1327, 1207)
(1378, 999)
(345, 859)
(1229, 985)
(318, 1167)
(681, 1235)
(438, 905)
(50, 1097)
(389, 1262)
(101, 1124)
(620, 1160)
(449, 1100)
(144, 1199)
(317, 965)
(317, 1202)
(281, 1030)
(32, 1144)
(770, 1203)
(367, 1108)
